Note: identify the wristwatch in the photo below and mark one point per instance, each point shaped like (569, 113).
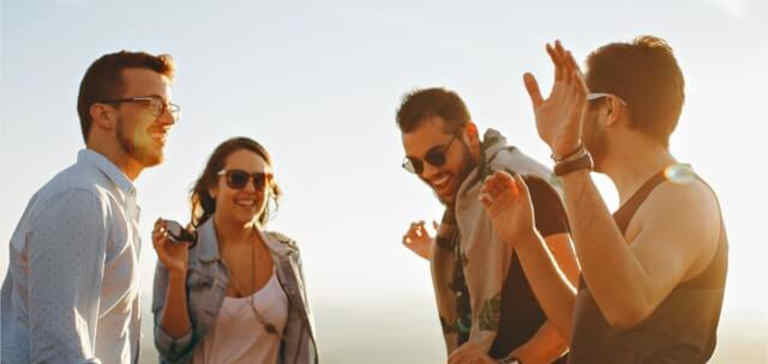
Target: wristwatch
(510, 360)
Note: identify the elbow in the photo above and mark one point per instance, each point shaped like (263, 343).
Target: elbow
(172, 348)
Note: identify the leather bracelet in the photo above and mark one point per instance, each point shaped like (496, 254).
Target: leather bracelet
(568, 166)
(573, 155)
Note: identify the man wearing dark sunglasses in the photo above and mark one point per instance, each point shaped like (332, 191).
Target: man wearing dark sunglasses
(483, 297)
(71, 294)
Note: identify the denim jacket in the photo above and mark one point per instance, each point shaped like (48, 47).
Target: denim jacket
(207, 283)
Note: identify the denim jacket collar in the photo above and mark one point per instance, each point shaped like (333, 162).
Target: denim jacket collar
(208, 249)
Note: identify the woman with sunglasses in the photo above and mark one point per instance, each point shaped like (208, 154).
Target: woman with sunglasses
(236, 294)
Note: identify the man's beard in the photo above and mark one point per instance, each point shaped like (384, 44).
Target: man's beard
(468, 164)
(142, 154)
(597, 144)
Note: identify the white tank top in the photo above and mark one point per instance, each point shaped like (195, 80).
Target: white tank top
(239, 336)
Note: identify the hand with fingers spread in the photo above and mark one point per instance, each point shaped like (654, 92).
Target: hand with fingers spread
(418, 239)
(508, 203)
(173, 255)
(559, 117)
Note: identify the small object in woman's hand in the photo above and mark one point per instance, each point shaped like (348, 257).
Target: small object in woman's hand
(178, 234)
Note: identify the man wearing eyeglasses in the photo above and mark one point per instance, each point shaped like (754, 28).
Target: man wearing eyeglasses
(654, 271)
(71, 294)
(483, 298)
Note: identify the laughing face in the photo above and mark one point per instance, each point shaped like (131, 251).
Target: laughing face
(142, 126)
(246, 204)
(430, 137)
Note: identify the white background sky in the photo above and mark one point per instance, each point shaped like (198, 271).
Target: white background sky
(318, 83)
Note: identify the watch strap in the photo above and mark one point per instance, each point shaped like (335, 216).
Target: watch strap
(568, 166)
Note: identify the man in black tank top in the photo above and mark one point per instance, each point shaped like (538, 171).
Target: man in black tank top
(653, 273)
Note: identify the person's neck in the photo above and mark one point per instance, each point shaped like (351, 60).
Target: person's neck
(233, 232)
(634, 163)
(114, 153)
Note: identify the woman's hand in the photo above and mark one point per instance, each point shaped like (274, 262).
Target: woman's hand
(173, 255)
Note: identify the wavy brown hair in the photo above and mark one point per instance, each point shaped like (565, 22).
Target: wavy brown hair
(203, 204)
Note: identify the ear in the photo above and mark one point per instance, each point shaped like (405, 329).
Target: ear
(471, 138)
(103, 116)
(613, 111)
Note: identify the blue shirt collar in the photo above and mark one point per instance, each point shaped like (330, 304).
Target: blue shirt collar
(109, 169)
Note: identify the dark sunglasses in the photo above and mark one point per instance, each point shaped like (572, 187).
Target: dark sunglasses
(434, 156)
(178, 234)
(237, 178)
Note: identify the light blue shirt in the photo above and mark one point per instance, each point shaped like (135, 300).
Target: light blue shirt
(71, 294)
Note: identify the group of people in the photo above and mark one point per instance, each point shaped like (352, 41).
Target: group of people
(527, 263)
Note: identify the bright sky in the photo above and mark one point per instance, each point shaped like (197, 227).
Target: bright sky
(318, 83)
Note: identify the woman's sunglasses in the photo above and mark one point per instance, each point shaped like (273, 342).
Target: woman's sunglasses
(237, 178)
(435, 157)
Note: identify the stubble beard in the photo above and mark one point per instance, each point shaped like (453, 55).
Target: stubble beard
(142, 154)
(468, 164)
(596, 144)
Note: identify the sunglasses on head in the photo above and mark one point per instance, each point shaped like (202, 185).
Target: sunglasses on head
(599, 95)
(237, 178)
(434, 156)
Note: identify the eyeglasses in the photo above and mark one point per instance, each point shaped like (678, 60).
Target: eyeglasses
(435, 157)
(237, 178)
(155, 104)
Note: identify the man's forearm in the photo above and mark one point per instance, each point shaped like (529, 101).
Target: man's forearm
(614, 275)
(175, 314)
(554, 293)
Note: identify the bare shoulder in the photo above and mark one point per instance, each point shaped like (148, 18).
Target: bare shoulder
(678, 202)
(683, 217)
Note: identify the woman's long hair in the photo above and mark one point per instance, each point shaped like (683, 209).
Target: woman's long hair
(203, 204)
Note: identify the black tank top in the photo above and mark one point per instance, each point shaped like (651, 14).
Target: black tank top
(681, 330)
(521, 316)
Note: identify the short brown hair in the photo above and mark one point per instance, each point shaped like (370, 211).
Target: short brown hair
(424, 103)
(103, 79)
(645, 74)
